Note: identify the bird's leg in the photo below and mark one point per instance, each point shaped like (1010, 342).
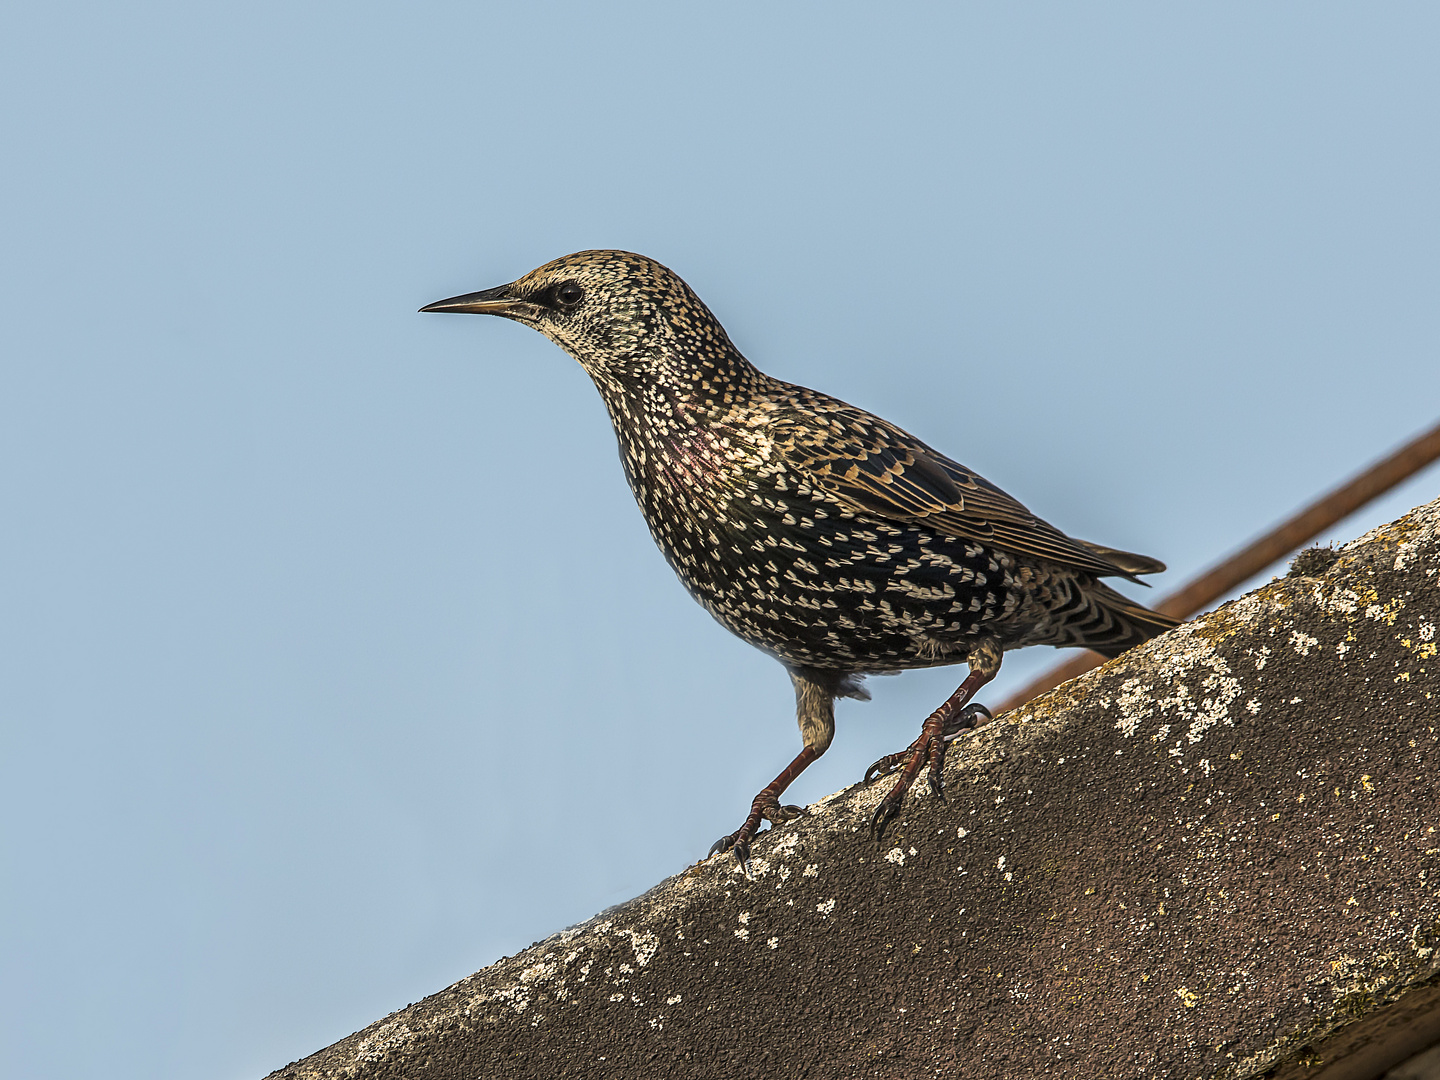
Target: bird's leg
(967, 719)
(946, 723)
(766, 806)
(954, 717)
(815, 713)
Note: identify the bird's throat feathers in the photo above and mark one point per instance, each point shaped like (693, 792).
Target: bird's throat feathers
(669, 365)
(684, 410)
(677, 437)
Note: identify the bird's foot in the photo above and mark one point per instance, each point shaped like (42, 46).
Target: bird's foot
(941, 729)
(966, 720)
(766, 807)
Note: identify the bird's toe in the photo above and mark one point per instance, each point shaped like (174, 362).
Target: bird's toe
(967, 719)
(777, 814)
(888, 808)
(885, 766)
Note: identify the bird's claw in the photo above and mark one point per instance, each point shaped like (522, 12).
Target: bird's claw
(967, 719)
(725, 843)
(742, 856)
(937, 774)
(888, 808)
(928, 749)
(767, 808)
(737, 843)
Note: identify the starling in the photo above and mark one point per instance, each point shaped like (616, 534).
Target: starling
(818, 532)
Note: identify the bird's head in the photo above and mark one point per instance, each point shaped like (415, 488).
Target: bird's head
(618, 313)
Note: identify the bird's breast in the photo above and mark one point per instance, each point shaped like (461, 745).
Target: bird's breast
(784, 565)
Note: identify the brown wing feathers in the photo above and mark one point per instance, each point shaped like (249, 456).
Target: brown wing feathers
(879, 468)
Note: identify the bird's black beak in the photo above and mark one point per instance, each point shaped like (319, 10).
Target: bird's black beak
(496, 301)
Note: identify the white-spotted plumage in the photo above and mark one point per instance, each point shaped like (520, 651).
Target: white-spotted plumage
(814, 530)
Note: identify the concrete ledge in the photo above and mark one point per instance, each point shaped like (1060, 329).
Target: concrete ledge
(1210, 858)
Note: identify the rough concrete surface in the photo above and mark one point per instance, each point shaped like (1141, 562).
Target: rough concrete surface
(1210, 858)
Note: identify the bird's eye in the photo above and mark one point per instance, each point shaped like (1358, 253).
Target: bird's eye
(568, 295)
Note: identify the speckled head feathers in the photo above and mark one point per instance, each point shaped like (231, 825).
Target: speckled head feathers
(618, 313)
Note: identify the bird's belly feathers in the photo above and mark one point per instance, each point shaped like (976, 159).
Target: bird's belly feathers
(818, 587)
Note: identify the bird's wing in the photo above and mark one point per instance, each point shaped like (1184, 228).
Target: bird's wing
(1127, 560)
(874, 467)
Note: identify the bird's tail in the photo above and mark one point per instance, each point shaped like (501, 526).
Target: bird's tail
(1114, 622)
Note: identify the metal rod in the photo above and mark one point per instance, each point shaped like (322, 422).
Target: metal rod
(1240, 567)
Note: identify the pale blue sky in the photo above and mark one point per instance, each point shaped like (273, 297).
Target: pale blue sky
(335, 659)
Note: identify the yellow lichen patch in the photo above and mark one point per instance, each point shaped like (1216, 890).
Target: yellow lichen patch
(1236, 617)
(1425, 650)
(1388, 612)
(1394, 534)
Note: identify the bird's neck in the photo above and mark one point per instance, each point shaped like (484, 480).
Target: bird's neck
(681, 389)
(687, 416)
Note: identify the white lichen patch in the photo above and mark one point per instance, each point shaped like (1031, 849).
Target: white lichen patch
(1134, 696)
(784, 848)
(644, 943)
(896, 856)
(540, 970)
(1340, 601)
(1387, 612)
(1202, 688)
(826, 908)
(1303, 642)
(389, 1036)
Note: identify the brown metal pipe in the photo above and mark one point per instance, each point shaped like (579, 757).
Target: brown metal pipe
(1256, 556)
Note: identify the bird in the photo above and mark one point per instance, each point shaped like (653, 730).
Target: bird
(827, 537)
